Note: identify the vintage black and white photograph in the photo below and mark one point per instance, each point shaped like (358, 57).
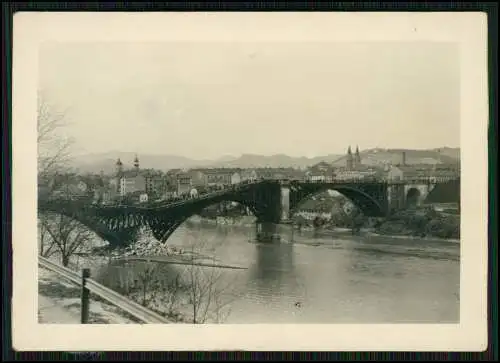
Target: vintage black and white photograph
(249, 182)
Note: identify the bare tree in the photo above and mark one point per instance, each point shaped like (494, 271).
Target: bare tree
(67, 236)
(171, 296)
(166, 291)
(53, 145)
(192, 292)
(46, 246)
(146, 283)
(208, 294)
(154, 285)
(205, 296)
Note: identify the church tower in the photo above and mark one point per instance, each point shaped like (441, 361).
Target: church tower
(349, 162)
(357, 158)
(119, 168)
(119, 175)
(136, 164)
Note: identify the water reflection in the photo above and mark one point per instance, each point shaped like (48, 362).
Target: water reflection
(335, 279)
(274, 267)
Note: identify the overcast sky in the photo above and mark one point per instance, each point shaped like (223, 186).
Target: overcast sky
(206, 100)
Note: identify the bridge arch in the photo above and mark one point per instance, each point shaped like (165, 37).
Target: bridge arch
(112, 222)
(117, 230)
(368, 204)
(163, 225)
(412, 198)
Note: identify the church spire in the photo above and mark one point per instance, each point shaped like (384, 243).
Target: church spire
(136, 162)
(119, 167)
(349, 162)
(119, 175)
(357, 157)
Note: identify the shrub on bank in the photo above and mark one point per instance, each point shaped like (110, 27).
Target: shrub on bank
(421, 223)
(157, 286)
(444, 227)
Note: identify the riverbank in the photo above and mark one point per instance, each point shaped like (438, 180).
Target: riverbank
(181, 284)
(370, 232)
(409, 226)
(425, 238)
(243, 221)
(421, 223)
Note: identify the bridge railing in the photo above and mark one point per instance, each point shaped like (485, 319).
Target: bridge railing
(90, 286)
(366, 180)
(234, 187)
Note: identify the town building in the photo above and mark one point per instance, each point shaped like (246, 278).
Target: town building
(184, 183)
(249, 175)
(156, 183)
(279, 173)
(322, 171)
(143, 198)
(149, 181)
(70, 191)
(129, 181)
(356, 170)
(362, 172)
(70, 185)
(223, 176)
(198, 177)
(405, 173)
(266, 173)
(104, 195)
(445, 172)
(433, 173)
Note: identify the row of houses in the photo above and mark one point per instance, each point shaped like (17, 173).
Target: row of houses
(437, 172)
(147, 184)
(220, 177)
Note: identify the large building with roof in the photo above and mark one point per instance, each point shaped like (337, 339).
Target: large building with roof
(135, 180)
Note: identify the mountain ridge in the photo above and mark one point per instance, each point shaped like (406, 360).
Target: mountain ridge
(97, 162)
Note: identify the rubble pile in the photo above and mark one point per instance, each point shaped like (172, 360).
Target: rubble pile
(146, 246)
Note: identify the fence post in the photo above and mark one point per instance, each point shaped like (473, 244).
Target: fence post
(85, 297)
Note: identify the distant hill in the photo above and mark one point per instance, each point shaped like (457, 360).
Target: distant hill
(453, 152)
(273, 161)
(94, 163)
(394, 156)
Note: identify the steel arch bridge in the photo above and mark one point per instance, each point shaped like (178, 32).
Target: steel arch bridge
(119, 224)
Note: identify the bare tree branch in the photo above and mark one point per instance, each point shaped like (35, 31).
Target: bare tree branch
(207, 297)
(46, 245)
(53, 145)
(67, 236)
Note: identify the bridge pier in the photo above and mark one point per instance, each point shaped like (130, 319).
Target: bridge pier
(285, 203)
(403, 196)
(267, 232)
(396, 197)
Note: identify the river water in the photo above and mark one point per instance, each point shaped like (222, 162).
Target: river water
(336, 278)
